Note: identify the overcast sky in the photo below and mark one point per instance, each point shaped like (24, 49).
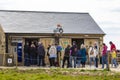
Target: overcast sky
(105, 12)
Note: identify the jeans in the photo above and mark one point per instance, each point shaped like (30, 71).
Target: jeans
(41, 61)
(114, 62)
(73, 58)
(92, 59)
(104, 61)
(78, 63)
(96, 61)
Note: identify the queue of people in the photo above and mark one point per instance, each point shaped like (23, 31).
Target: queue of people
(75, 57)
(35, 54)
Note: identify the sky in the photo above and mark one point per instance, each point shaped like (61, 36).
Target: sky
(106, 13)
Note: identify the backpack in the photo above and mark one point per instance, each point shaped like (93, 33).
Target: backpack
(79, 55)
(67, 52)
(91, 52)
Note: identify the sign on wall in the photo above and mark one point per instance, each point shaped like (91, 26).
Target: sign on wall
(9, 60)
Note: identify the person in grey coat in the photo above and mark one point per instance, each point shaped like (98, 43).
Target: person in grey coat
(41, 54)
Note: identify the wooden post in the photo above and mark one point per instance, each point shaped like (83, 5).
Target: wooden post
(4, 59)
(108, 61)
(16, 61)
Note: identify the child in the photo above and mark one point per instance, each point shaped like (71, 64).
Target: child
(114, 56)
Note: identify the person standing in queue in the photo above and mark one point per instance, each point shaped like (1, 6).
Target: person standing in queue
(48, 48)
(33, 53)
(66, 56)
(91, 56)
(41, 54)
(113, 52)
(96, 56)
(73, 54)
(96, 51)
(83, 55)
(104, 56)
(26, 54)
(52, 55)
(59, 48)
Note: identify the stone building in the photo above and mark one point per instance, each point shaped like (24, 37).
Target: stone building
(19, 27)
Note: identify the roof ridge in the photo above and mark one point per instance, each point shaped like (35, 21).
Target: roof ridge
(45, 11)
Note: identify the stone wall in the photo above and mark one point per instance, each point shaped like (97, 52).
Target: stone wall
(2, 46)
(2, 41)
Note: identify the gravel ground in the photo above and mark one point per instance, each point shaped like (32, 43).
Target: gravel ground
(36, 67)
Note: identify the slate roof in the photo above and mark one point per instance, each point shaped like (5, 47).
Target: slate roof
(45, 22)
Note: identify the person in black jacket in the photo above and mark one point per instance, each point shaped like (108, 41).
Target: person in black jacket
(41, 54)
(73, 54)
(66, 56)
(48, 52)
(33, 53)
(26, 54)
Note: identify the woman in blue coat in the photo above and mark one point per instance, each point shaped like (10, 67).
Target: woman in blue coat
(83, 55)
(79, 58)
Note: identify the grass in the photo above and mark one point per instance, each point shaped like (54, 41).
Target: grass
(57, 74)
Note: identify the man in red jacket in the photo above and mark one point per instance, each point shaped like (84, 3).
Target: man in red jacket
(112, 46)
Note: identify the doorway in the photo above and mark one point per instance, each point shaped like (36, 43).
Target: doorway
(78, 42)
(30, 40)
(32, 56)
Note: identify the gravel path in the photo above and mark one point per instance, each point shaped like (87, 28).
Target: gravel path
(36, 67)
